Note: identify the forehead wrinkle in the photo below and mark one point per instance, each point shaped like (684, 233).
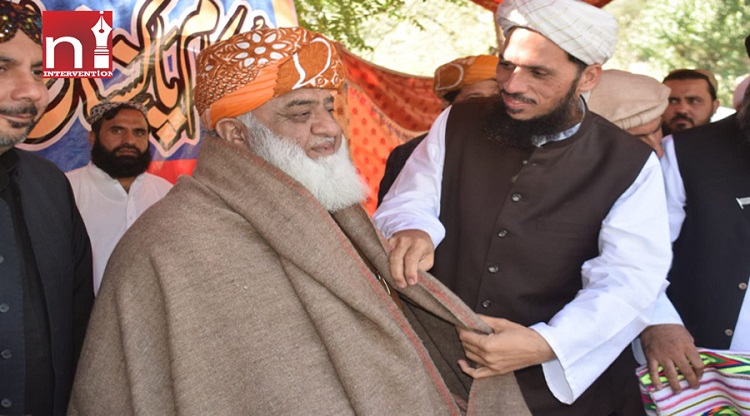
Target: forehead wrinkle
(527, 67)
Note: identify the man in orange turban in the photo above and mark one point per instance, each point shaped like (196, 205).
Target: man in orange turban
(247, 70)
(457, 81)
(258, 285)
(466, 77)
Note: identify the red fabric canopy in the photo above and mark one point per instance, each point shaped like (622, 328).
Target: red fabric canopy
(379, 109)
(492, 4)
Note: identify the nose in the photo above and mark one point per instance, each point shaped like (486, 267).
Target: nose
(28, 87)
(325, 125)
(512, 81)
(682, 107)
(128, 137)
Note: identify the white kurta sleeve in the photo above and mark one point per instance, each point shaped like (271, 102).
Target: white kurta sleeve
(665, 312)
(413, 202)
(620, 287)
(675, 188)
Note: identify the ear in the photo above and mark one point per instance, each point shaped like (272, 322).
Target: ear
(92, 138)
(589, 78)
(716, 104)
(232, 130)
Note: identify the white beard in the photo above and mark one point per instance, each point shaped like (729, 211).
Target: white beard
(332, 180)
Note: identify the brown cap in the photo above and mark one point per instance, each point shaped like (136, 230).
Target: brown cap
(685, 73)
(628, 100)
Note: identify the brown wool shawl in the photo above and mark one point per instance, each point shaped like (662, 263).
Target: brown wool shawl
(238, 294)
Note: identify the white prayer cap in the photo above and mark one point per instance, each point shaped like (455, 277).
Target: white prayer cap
(578, 28)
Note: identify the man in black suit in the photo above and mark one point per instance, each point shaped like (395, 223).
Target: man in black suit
(46, 284)
(707, 177)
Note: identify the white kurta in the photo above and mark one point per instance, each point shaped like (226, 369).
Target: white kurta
(676, 200)
(108, 211)
(590, 332)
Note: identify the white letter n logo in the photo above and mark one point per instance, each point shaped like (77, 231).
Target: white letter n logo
(51, 43)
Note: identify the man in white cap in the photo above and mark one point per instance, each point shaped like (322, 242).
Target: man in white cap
(544, 216)
(114, 189)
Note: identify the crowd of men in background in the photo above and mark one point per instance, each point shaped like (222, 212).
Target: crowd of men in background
(554, 214)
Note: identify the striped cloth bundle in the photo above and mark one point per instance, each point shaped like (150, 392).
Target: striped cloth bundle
(724, 388)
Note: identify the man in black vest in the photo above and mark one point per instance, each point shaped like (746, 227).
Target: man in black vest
(707, 173)
(46, 288)
(544, 216)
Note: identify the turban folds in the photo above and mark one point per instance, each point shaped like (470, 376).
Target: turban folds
(16, 17)
(242, 73)
(463, 72)
(578, 28)
(628, 100)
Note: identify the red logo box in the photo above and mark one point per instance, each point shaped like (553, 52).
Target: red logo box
(77, 44)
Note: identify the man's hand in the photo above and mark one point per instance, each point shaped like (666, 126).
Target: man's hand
(510, 348)
(412, 251)
(671, 346)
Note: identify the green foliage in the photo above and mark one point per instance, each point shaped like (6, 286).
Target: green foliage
(342, 20)
(669, 34)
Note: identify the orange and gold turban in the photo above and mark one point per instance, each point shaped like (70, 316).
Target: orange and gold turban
(241, 73)
(462, 72)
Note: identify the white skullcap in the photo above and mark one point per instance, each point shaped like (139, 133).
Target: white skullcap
(578, 28)
(628, 100)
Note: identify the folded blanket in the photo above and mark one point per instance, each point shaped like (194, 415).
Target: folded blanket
(724, 388)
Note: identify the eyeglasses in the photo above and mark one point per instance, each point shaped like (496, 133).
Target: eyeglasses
(14, 17)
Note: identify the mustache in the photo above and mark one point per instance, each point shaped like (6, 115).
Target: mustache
(681, 117)
(18, 110)
(518, 97)
(126, 146)
(323, 140)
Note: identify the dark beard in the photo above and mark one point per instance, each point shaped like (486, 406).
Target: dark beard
(9, 140)
(120, 166)
(503, 128)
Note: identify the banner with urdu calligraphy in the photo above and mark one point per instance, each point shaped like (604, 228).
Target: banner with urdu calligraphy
(154, 46)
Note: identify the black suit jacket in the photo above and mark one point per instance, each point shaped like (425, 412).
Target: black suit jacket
(63, 255)
(394, 164)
